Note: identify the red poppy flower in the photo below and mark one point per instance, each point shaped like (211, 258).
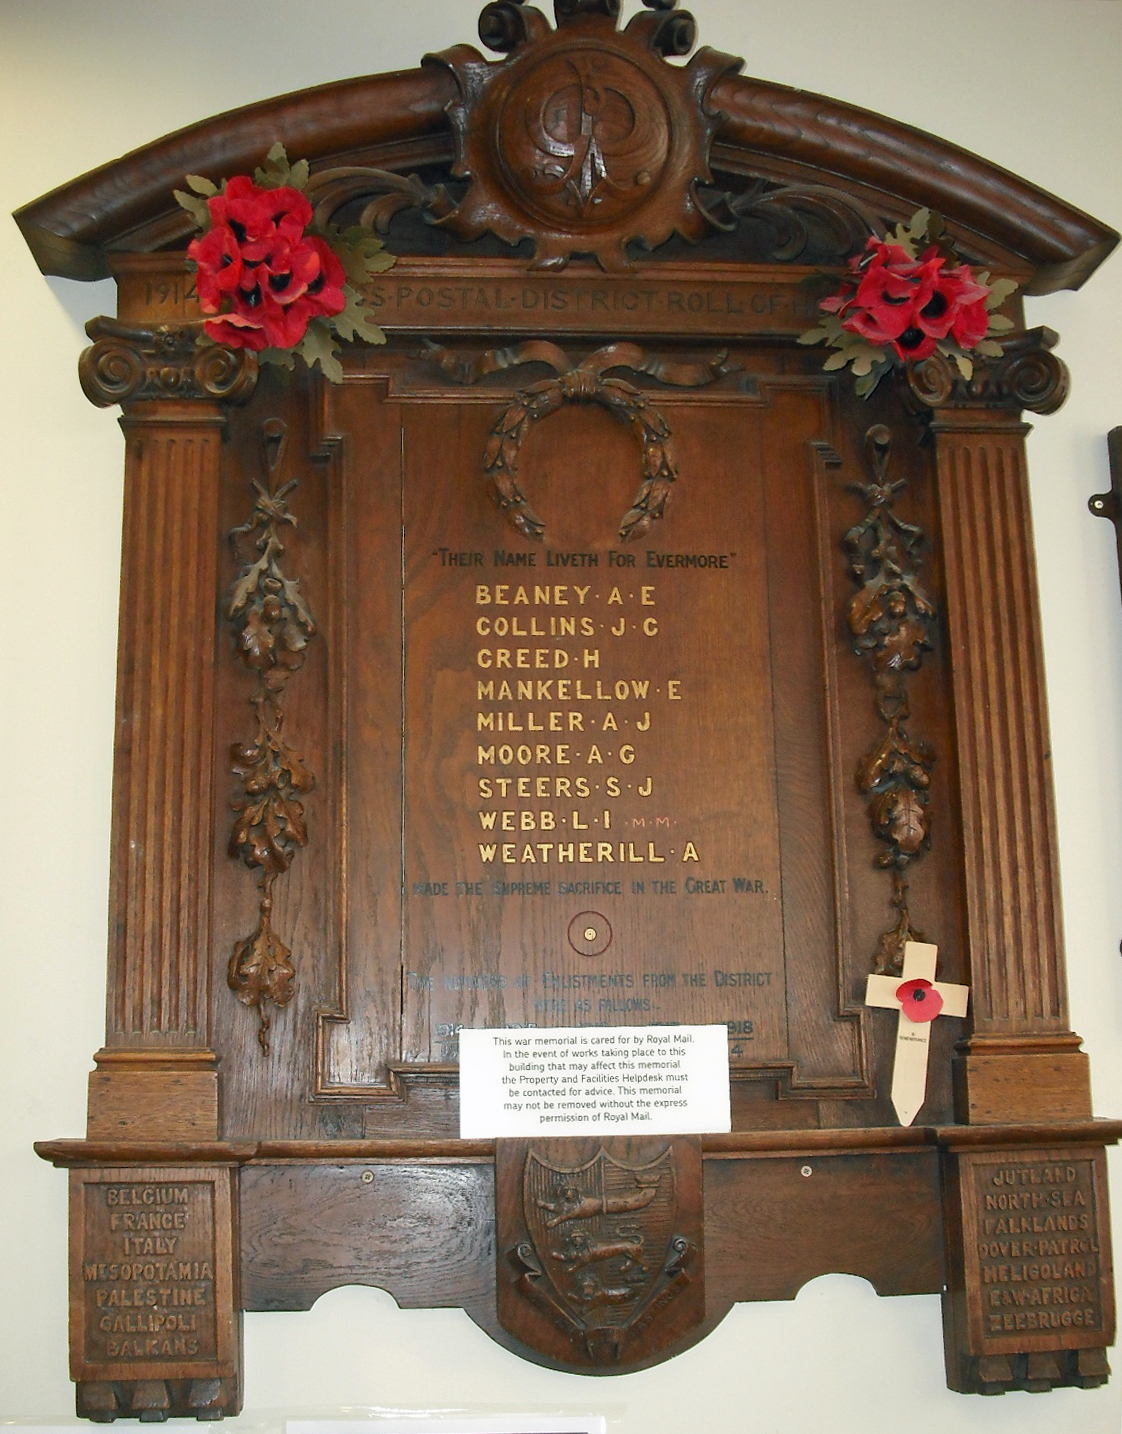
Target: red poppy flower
(890, 299)
(256, 322)
(326, 291)
(258, 216)
(219, 263)
(972, 318)
(919, 1000)
(957, 304)
(888, 287)
(914, 344)
(287, 269)
(236, 332)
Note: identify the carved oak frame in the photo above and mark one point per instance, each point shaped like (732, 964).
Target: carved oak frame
(770, 184)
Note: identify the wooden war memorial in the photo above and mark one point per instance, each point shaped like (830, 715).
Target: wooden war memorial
(588, 656)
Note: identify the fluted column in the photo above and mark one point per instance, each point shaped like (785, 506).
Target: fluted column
(1021, 1061)
(157, 1067)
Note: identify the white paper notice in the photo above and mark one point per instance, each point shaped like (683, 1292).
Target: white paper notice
(594, 1080)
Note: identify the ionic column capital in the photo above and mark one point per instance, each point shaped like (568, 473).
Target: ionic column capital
(127, 364)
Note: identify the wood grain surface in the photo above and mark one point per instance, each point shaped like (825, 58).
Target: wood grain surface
(564, 665)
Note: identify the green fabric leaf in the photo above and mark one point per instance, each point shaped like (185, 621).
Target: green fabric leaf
(864, 386)
(195, 207)
(276, 171)
(830, 329)
(988, 349)
(361, 253)
(999, 324)
(836, 361)
(1000, 291)
(909, 235)
(354, 322)
(201, 185)
(318, 346)
(963, 364)
(869, 359)
(282, 358)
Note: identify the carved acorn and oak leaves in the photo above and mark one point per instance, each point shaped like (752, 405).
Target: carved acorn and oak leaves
(890, 619)
(273, 624)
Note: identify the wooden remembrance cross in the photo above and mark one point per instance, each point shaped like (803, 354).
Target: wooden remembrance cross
(436, 712)
(919, 998)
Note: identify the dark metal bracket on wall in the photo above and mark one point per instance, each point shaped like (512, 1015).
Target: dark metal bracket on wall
(1109, 505)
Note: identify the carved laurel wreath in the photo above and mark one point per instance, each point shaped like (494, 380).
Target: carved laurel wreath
(582, 383)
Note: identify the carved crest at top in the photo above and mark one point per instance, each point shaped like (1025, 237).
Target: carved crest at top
(583, 139)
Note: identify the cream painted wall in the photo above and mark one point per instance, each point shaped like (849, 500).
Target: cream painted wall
(1030, 84)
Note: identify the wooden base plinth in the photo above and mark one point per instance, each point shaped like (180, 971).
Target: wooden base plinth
(153, 1095)
(1026, 1083)
(1029, 1300)
(169, 1243)
(1035, 1373)
(155, 1322)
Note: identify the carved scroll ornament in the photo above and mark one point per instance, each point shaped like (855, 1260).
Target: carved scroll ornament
(1028, 375)
(583, 144)
(128, 363)
(890, 618)
(592, 144)
(775, 223)
(582, 383)
(274, 625)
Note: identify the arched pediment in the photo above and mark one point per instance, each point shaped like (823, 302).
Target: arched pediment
(770, 148)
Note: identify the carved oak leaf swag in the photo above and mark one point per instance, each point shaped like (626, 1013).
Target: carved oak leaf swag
(275, 625)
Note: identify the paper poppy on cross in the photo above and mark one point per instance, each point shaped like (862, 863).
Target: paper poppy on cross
(920, 999)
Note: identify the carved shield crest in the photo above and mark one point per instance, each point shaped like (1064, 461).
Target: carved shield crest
(605, 1248)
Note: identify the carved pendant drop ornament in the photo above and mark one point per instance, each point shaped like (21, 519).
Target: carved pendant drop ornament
(274, 625)
(891, 618)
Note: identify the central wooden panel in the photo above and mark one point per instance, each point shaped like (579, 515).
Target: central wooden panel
(591, 831)
(615, 760)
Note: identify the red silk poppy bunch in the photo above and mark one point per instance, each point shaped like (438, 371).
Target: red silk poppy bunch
(260, 271)
(897, 305)
(267, 279)
(910, 303)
